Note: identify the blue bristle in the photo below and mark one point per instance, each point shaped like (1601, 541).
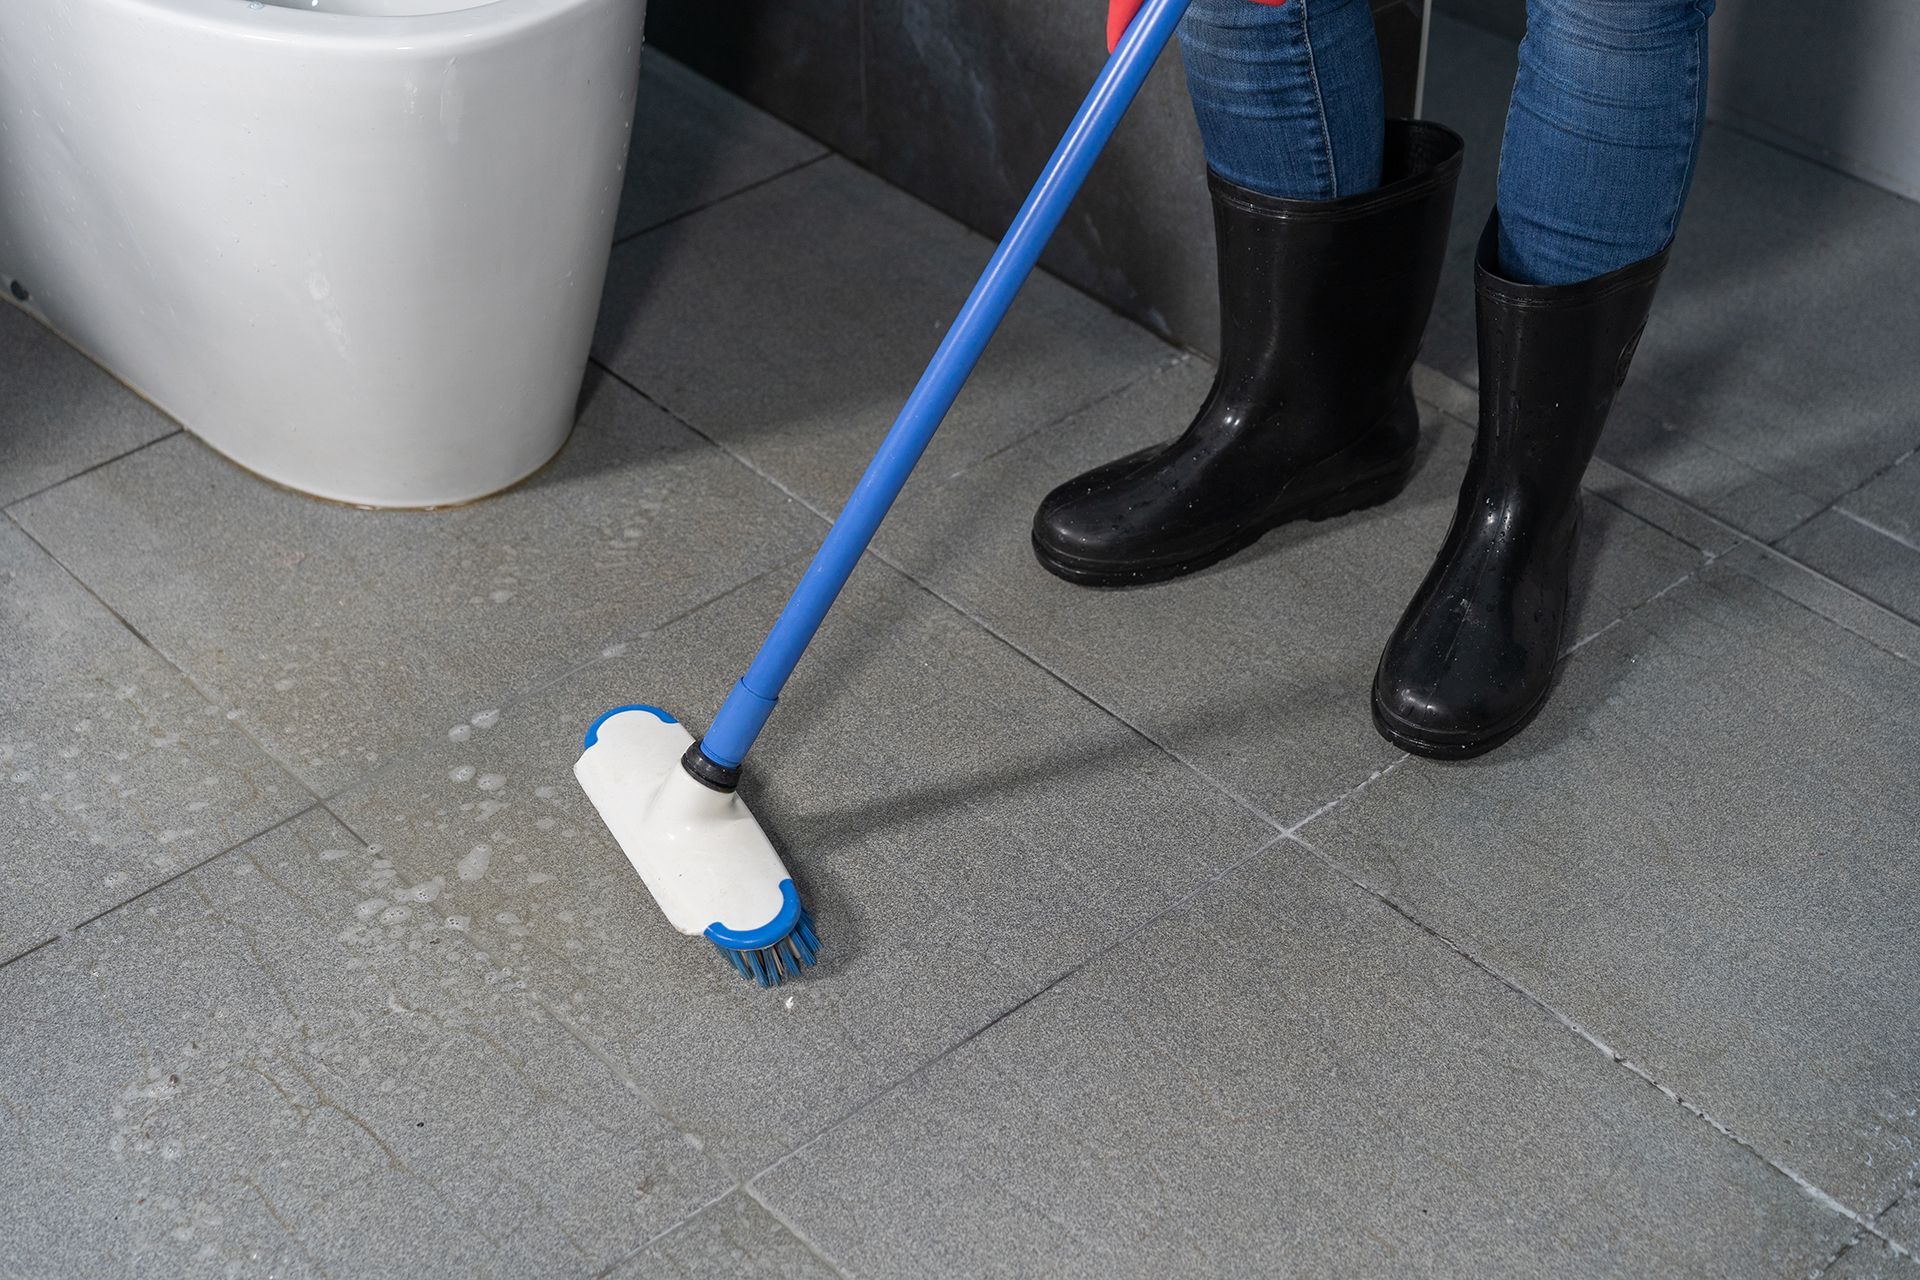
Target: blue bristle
(771, 965)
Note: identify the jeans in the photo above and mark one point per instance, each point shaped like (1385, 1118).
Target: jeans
(1602, 131)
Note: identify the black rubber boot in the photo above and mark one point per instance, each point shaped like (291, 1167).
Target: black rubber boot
(1322, 305)
(1473, 657)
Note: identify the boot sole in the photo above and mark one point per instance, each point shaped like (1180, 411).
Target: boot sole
(1358, 496)
(1409, 738)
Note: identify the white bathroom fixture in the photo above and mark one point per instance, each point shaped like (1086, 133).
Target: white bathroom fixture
(355, 245)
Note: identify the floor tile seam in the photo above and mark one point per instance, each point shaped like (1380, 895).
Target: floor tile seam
(1726, 527)
(1219, 785)
(1098, 954)
(1627, 613)
(1806, 1186)
(1733, 538)
(1839, 504)
(794, 1229)
(1911, 1183)
(982, 624)
(173, 878)
(717, 201)
(607, 1062)
(738, 458)
(1836, 507)
(174, 430)
(1652, 486)
(1744, 540)
(663, 1233)
(1176, 357)
(1910, 659)
(1832, 1260)
(1720, 451)
(1172, 358)
(47, 324)
(200, 689)
(414, 748)
(1351, 793)
(993, 239)
(1886, 533)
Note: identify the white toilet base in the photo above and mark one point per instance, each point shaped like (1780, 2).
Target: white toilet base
(357, 246)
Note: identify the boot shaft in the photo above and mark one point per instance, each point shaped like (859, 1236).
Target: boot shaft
(1551, 359)
(1323, 303)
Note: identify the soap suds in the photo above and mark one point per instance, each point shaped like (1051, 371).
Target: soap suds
(475, 864)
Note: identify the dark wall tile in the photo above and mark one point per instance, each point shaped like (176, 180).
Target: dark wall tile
(974, 96)
(799, 59)
(962, 103)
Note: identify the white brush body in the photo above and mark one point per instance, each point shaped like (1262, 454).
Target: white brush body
(699, 851)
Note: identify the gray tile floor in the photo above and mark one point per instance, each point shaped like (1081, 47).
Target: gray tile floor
(1146, 956)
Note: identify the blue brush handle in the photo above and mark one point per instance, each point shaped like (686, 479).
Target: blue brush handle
(746, 709)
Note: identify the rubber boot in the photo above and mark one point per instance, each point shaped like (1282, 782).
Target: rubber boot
(1322, 305)
(1473, 658)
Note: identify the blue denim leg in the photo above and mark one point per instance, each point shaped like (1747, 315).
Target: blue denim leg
(1288, 98)
(1602, 135)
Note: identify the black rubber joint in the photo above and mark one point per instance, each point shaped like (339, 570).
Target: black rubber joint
(710, 773)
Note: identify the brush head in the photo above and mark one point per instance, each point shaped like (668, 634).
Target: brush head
(781, 950)
(697, 848)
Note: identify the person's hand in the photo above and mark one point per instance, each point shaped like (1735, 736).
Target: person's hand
(1120, 13)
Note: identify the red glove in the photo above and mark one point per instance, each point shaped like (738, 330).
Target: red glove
(1120, 13)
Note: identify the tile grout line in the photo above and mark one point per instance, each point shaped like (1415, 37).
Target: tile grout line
(1178, 359)
(1865, 523)
(206, 695)
(1807, 1188)
(1909, 658)
(1742, 538)
(93, 467)
(825, 153)
(664, 1232)
(405, 748)
(1099, 953)
(889, 1088)
(738, 458)
(1648, 521)
(737, 1187)
(157, 885)
(36, 948)
(1349, 794)
(1181, 358)
(1631, 610)
(793, 1229)
(414, 747)
(1833, 1259)
(200, 691)
(983, 625)
(1281, 834)
(1835, 505)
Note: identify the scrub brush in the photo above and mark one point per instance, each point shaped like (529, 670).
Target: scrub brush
(673, 803)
